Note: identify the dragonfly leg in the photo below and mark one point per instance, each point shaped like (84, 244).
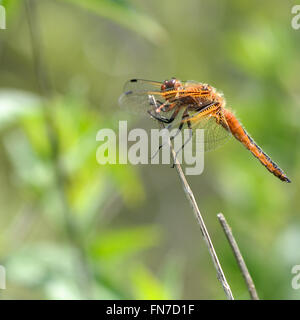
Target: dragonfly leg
(164, 119)
(154, 102)
(168, 107)
(173, 136)
(165, 107)
(184, 116)
(158, 104)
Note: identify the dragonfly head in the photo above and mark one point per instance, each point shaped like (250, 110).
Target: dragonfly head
(170, 84)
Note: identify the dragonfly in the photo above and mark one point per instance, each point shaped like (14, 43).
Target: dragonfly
(193, 105)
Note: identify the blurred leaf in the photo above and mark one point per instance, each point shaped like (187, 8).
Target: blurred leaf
(31, 124)
(127, 180)
(62, 288)
(15, 104)
(126, 16)
(11, 6)
(36, 264)
(146, 286)
(119, 243)
(259, 50)
(287, 246)
(172, 276)
(28, 167)
(105, 292)
(77, 124)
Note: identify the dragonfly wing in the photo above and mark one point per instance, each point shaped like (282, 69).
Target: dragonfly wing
(216, 131)
(141, 85)
(140, 96)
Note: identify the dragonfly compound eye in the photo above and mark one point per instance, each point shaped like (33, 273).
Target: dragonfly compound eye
(169, 84)
(163, 86)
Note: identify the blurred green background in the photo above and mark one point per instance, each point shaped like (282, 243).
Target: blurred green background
(72, 229)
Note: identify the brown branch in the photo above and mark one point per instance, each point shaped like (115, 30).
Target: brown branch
(239, 257)
(205, 234)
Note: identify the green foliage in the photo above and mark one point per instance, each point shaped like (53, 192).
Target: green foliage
(115, 244)
(73, 229)
(122, 13)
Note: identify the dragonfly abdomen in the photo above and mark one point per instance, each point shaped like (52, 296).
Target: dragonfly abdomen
(241, 135)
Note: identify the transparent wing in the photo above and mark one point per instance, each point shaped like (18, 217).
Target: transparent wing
(215, 133)
(141, 85)
(140, 96)
(191, 83)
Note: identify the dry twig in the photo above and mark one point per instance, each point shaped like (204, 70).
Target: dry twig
(191, 198)
(239, 258)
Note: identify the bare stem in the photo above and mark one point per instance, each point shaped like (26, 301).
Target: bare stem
(239, 257)
(191, 198)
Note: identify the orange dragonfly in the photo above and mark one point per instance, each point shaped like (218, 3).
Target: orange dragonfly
(193, 105)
